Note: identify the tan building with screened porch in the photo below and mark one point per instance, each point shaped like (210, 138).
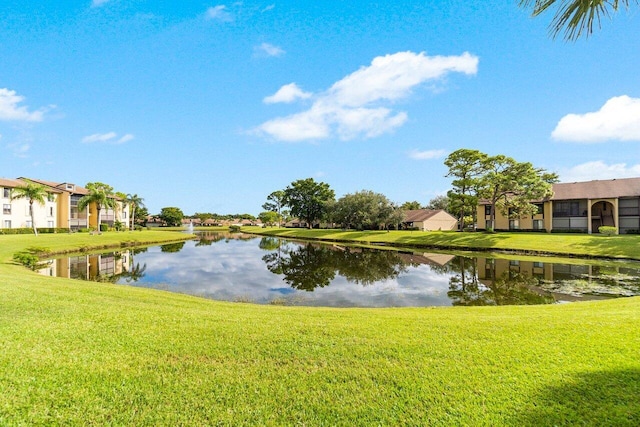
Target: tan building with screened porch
(577, 207)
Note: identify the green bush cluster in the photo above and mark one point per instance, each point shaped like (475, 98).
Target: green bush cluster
(44, 230)
(29, 257)
(607, 230)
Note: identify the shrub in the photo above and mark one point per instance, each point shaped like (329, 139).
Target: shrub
(104, 227)
(607, 230)
(234, 228)
(29, 257)
(8, 231)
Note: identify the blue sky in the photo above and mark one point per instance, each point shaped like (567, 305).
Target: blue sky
(212, 106)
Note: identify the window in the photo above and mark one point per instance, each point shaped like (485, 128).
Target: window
(7, 223)
(487, 210)
(514, 224)
(6, 209)
(6, 193)
(50, 224)
(538, 224)
(540, 207)
(561, 209)
(29, 224)
(51, 211)
(51, 197)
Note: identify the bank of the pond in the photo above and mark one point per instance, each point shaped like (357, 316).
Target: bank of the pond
(580, 245)
(84, 353)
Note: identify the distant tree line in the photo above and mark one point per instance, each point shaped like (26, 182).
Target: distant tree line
(313, 202)
(508, 186)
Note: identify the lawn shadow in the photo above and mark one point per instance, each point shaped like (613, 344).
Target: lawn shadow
(608, 398)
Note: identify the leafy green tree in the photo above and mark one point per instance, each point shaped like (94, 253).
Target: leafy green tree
(466, 166)
(33, 192)
(411, 206)
(439, 202)
(269, 217)
(172, 216)
(307, 199)
(275, 202)
(140, 215)
(101, 194)
(203, 216)
(136, 203)
(363, 210)
(511, 186)
(575, 17)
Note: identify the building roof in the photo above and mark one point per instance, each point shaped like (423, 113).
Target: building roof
(13, 183)
(600, 189)
(62, 186)
(597, 189)
(10, 183)
(416, 215)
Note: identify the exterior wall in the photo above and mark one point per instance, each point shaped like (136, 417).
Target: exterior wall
(15, 213)
(440, 221)
(585, 216)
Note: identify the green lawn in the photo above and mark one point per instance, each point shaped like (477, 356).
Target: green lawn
(595, 245)
(84, 353)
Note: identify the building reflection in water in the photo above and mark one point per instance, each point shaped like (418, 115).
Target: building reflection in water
(94, 267)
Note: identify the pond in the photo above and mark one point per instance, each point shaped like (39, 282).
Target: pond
(267, 270)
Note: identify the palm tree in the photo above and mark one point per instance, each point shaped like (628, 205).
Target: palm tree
(100, 194)
(576, 16)
(33, 192)
(134, 202)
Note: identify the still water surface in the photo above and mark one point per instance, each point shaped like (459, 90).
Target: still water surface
(265, 270)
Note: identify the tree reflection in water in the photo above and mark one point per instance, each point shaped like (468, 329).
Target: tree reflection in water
(309, 266)
(172, 247)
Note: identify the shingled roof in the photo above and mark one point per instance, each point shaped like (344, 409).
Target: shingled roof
(417, 215)
(10, 183)
(600, 189)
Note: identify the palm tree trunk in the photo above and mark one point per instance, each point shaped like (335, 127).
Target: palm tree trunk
(33, 219)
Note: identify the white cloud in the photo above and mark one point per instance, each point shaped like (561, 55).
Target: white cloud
(125, 138)
(427, 155)
(618, 119)
(98, 3)
(352, 108)
(267, 49)
(599, 170)
(9, 109)
(219, 13)
(20, 149)
(110, 137)
(268, 8)
(287, 94)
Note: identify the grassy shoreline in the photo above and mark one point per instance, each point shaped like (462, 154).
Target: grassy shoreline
(84, 353)
(567, 245)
